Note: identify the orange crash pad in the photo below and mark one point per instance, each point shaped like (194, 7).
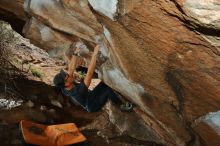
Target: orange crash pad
(51, 135)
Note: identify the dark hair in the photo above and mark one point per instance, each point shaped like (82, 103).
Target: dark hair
(59, 79)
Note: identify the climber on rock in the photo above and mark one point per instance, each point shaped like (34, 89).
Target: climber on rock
(90, 100)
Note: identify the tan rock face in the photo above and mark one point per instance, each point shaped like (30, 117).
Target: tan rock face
(208, 128)
(13, 7)
(70, 17)
(47, 38)
(205, 14)
(163, 55)
(12, 11)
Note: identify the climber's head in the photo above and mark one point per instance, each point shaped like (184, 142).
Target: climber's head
(59, 79)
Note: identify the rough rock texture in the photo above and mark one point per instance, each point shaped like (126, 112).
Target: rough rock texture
(13, 12)
(161, 54)
(208, 128)
(46, 37)
(7, 6)
(205, 14)
(70, 17)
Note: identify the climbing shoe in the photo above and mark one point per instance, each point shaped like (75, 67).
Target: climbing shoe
(126, 107)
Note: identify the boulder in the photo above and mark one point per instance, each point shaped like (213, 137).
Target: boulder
(208, 128)
(47, 38)
(13, 8)
(13, 12)
(70, 17)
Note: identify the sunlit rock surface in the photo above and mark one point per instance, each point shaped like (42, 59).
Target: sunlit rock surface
(208, 128)
(205, 14)
(113, 9)
(106, 7)
(162, 55)
(70, 17)
(51, 40)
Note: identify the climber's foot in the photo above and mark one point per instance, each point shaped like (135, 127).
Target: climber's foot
(126, 107)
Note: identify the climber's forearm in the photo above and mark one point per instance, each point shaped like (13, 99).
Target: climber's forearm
(91, 70)
(72, 65)
(92, 65)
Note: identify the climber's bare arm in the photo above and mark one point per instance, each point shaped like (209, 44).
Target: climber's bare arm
(73, 62)
(72, 65)
(91, 67)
